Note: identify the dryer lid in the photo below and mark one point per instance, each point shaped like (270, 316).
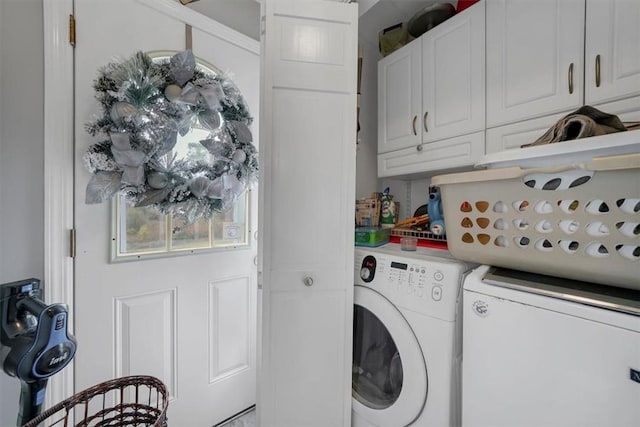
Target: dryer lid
(611, 298)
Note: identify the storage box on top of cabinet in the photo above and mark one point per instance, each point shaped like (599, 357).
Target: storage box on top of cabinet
(579, 220)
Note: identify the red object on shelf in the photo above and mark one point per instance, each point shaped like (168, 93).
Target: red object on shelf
(434, 244)
(463, 4)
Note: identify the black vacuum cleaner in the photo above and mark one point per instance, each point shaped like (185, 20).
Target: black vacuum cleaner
(35, 342)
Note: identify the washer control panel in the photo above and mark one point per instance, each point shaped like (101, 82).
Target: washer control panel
(416, 283)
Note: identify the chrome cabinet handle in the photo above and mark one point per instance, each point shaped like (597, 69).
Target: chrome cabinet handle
(424, 121)
(308, 281)
(571, 78)
(419, 148)
(598, 70)
(413, 125)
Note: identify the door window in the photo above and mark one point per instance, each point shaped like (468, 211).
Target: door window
(377, 366)
(144, 232)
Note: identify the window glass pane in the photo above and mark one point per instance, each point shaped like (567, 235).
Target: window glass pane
(230, 228)
(188, 147)
(143, 229)
(190, 236)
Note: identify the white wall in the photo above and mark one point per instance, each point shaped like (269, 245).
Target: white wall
(366, 157)
(241, 15)
(21, 158)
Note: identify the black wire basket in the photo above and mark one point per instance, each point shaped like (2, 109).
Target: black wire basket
(137, 400)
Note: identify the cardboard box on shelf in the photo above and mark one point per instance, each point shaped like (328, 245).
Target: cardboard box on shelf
(368, 212)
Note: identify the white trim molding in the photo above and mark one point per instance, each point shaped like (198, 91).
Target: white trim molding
(58, 171)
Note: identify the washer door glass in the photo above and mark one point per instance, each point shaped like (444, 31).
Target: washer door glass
(389, 377)
(377, 366)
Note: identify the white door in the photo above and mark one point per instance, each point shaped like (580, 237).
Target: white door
(534, 58)
(188, 320)
(612, 46)
(307, 203)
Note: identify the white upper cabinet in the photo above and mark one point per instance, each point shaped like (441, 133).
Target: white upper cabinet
(534, 58)
(453, 99)
(612, 46)
(431, 90)
(399, 99)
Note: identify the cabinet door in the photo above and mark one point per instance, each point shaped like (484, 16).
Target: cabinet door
(612, 68)
(399, 99)
(534, 58)
(453, 99)
(307, 170)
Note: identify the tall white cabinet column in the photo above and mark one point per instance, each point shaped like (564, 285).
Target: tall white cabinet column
(307, 193)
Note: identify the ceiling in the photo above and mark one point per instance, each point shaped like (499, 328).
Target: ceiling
(375, 15)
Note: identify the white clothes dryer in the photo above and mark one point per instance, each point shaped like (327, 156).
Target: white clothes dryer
(544, 351)
(406, 337)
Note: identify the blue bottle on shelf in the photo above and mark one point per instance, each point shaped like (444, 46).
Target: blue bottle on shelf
(434, 209)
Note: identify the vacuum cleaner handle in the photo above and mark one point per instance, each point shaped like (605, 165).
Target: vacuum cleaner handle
(31, 400)
(38, 356)
(38, 341)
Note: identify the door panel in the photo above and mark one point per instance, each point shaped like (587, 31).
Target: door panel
(157, 312)
(308, 129)
(301, 115)
(189, 320)
(231, 330)
(308, 359)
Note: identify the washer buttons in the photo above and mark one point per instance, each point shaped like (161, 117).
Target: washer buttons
(438, 275)
(436, 293)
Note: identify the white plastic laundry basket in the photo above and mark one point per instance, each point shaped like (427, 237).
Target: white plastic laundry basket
(577, 221)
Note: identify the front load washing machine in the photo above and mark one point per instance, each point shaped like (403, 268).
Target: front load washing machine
(406, 337)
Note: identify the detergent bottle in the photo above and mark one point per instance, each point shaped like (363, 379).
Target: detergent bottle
(434, 209)
(388, 214)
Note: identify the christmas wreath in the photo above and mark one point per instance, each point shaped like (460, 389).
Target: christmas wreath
(147, 104)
